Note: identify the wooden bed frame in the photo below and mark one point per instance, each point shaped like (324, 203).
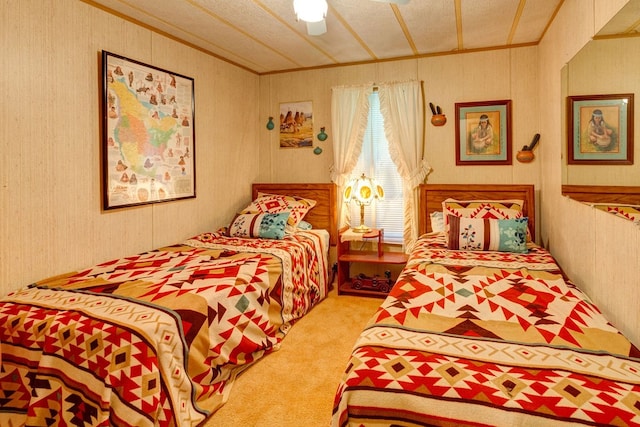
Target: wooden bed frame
(323, 215)
(432, 196)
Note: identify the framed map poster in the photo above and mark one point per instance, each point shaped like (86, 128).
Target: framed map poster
(148, 143)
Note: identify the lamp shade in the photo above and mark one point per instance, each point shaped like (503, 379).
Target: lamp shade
(393, 1)
(363, 190)
(310, 10)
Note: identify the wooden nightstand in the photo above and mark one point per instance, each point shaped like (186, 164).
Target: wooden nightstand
(378, 286)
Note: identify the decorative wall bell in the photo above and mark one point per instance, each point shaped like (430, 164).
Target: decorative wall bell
(322, 136)
(270, 124)
(437, 119)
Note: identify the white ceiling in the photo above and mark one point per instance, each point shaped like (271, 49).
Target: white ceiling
(263, 35)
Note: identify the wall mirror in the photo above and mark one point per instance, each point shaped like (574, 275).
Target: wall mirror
(607, 65)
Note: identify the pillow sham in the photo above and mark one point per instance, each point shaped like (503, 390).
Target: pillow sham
(266, 225)
(496, 209)
(276, 203)
(630, 212)
(488, 234)
(304, 225)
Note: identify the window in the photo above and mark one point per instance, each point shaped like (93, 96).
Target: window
(375, 162)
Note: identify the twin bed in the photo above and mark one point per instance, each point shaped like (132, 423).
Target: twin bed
(158, 338)
(487, 337)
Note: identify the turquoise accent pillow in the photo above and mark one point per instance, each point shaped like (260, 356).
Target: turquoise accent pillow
(265, 226)
(488, 234)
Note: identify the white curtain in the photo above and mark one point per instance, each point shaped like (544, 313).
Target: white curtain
(349, 115)
(402, 109)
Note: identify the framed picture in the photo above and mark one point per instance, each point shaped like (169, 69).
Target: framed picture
(296, 124)
(148, 136)
(600, 129)
(483, 133)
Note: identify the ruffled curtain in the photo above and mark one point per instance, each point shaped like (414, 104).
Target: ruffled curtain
(402, 109)
(349, 115)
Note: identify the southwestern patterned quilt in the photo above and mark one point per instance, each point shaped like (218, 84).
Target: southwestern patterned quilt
(154, 339)
(488, 338)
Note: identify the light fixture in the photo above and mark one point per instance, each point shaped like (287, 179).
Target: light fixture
(313, 12)
(363, 191)
(393, 1)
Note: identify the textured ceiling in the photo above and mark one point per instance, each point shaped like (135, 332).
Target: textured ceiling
(626, 23)
(263, 35)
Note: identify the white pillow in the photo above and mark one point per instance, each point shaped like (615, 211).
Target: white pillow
(437, 221)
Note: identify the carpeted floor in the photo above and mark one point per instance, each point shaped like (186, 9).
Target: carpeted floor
(295, 386)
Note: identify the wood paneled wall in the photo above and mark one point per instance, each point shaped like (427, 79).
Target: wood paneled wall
(50, 215)
(51, 220)
(598, 251)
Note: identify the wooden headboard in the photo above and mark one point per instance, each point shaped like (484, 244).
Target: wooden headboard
(603, 194)
(323, 215)
(432, 196)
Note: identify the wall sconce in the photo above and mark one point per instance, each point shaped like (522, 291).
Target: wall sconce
(270, 124)
(362, 191)
(526, 154)
(438, 118)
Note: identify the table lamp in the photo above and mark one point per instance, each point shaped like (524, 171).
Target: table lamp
(362, 191)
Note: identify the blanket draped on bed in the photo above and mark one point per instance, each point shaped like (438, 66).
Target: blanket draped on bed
(152, 339)
(488, 338)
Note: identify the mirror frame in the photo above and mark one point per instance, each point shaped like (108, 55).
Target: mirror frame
(603, 194)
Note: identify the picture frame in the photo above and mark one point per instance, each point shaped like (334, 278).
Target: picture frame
(148, 134)
(483, 133)
(296, 124)
(600, 129)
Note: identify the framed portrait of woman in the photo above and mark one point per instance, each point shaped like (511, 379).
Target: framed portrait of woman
(483, 133)
(600, 129)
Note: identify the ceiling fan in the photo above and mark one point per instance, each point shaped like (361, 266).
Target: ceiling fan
(314, 12)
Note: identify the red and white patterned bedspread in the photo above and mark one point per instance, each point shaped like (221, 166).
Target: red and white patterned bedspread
(488, 338)
(156, 338)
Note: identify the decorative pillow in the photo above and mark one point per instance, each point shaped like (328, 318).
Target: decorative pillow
(437, 221)
(496, 209)
(304, 225)
(266, 226)
(276, 203)
(630, 212)
(478, 234)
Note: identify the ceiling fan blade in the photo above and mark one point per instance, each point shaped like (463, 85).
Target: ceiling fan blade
(317, 28)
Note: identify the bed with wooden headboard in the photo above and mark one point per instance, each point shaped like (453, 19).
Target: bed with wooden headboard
(157, 338)
(487, 336)
(432, 195)
(324, 214)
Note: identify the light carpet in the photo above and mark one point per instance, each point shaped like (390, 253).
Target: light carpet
(295, 386)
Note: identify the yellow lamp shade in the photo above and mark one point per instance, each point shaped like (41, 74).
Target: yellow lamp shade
(363, 190)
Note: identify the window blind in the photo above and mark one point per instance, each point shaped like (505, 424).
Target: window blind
(375, 162)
